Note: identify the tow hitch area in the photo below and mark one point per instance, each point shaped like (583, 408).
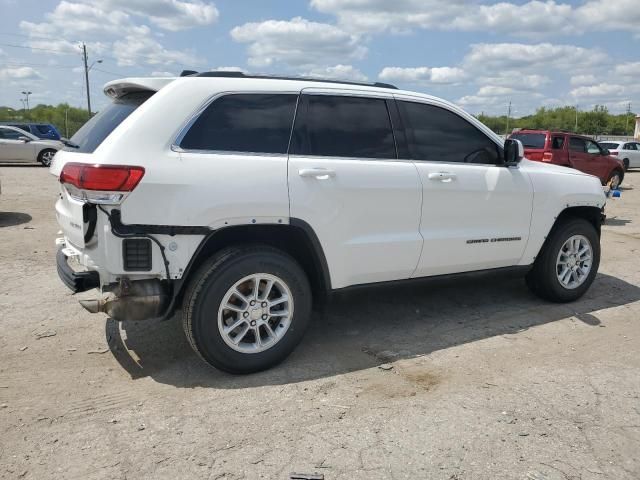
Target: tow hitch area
(127, 300)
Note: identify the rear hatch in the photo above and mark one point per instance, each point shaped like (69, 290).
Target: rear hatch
(534, 143)
(89, 178)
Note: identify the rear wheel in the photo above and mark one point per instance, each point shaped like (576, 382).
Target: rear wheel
(626, 164)
(46, 156)
(568, 262)
(247, 308)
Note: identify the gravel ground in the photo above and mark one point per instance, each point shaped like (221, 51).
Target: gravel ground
(468, 379)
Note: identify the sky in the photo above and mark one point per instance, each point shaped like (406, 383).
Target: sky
(479, 54)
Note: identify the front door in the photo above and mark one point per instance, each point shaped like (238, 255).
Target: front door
(475, 212)
(14, 150)
(346, 182)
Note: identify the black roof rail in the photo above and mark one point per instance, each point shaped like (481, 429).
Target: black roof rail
(278, 77)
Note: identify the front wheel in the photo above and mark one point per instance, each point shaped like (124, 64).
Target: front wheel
(568, 262)
(615, 179)
(46, 156)
(247, 308)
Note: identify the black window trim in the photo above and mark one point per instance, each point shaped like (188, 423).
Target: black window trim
(303, 109)
(423, 101)
(184, 128)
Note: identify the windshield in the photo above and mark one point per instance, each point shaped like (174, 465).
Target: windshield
(93, 133)
(531, 140)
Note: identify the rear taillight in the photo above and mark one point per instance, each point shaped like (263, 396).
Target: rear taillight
(613, 153)
(547, 157)
(100, 183)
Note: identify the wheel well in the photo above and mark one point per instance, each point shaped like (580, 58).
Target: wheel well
(297, 239)
(593, 215)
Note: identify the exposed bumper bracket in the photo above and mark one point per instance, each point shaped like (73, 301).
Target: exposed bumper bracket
(76, 281)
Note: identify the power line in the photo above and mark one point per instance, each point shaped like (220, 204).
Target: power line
(61, 52)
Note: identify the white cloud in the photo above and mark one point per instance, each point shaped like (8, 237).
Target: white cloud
(133, 50)
(533, 18)
(581, 80)
(545, 56)
(628, 70)
(298, 43)
(19, 73)
(171, 15)
(423, 75)
(604, 91)
(338, 72)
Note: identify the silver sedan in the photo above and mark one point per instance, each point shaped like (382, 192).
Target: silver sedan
(18, 146)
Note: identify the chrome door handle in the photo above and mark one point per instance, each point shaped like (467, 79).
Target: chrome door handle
(319, 173)
(442, 176)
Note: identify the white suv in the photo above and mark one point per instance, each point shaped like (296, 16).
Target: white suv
(243, 200)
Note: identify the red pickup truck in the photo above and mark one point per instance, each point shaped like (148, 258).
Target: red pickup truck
(573, 151)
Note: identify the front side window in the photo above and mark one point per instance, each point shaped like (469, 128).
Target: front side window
(439, 135)
(259, 123)
(577, 145)
(342, 126)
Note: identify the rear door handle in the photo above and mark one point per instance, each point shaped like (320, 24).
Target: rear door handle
(319, 173)
(442, 176)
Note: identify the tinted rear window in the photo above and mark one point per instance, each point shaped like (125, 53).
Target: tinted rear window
(342, 126)
(609, 146)
(531, 140)
(259, 123)
(93, 133)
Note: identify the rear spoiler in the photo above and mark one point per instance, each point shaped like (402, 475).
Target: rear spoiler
(119, 88)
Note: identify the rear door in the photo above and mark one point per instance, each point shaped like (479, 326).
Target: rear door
(475, 211)
(346, 182)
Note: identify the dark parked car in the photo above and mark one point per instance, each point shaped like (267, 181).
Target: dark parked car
(46, 131)
(573, 151)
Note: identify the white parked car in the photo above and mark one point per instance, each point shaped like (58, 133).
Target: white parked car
(18, 146)
(628, 152)
(243, 200)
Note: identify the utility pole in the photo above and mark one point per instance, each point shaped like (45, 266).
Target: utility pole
(86, 76)
(508, 117)
(626, 125)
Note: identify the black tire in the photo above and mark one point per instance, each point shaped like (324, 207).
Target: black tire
(625, 162)
(207, 290)
(45, 156)
(542, 279)
(613, 174)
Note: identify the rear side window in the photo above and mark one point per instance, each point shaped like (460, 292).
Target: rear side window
(93, 133)
(577, 145)
(259, 123)
(532, 140)
(557, 143)
(437, 134)
(342, 126)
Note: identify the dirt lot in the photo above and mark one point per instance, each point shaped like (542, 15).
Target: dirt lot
(486, 381)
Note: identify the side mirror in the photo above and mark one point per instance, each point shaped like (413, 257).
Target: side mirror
(605, 152)
(513, 152)
(24, 139)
